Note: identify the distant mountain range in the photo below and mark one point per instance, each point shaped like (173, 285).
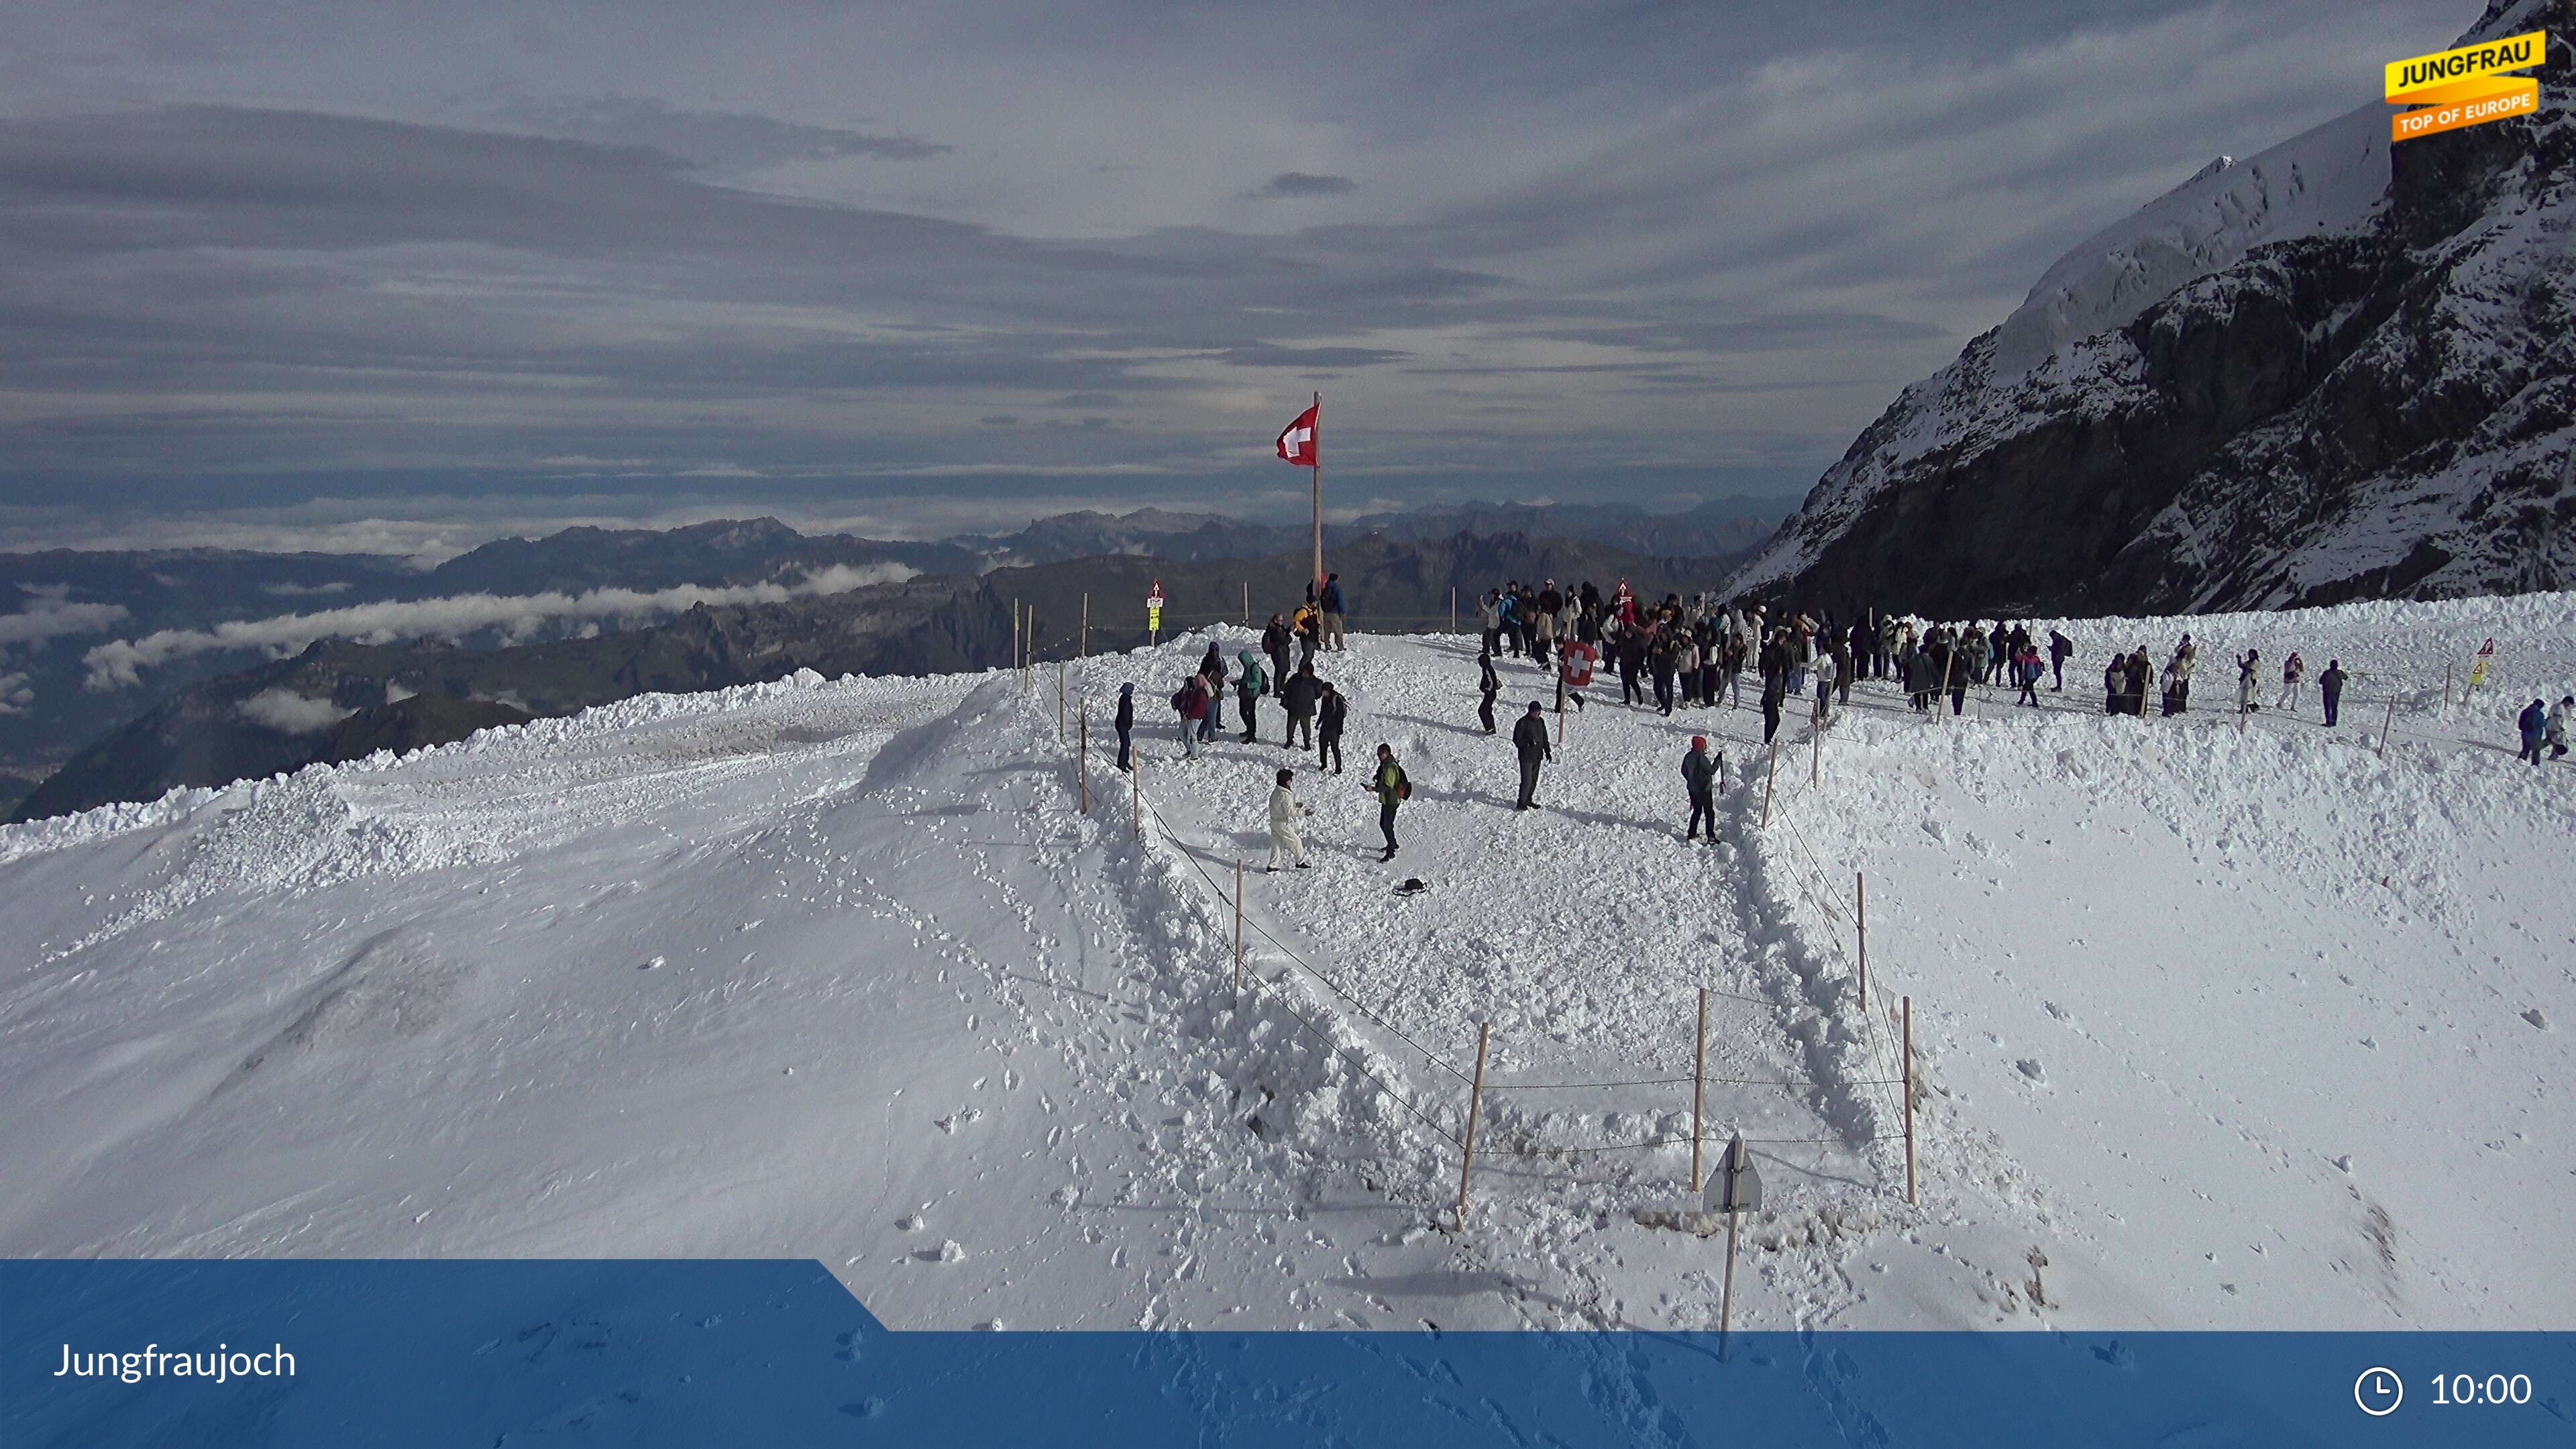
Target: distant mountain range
(334, 699)
(1717, 526)
(94, 640)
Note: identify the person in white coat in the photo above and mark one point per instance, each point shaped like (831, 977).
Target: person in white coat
(1284, 810)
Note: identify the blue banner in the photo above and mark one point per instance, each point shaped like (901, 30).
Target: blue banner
(297, 1354)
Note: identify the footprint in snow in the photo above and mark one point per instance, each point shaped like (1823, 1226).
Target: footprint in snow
(955, 1120)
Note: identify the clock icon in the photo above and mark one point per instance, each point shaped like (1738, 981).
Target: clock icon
(2378, 1392)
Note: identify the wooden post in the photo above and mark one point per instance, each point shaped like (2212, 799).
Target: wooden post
(1816, 757)
(1136, 783)
(1860, 895)
(1238, 928)
(1475, 1108)
(1083, 649)
(1453, 608)
(1909, 1100)
(1082, 757)
(1059, 701)
(1769, 775)
(2447, 668)
(1726, 1297)
(1247, 603)
(2390, 723)
(1699, 1083)
(1015, 636)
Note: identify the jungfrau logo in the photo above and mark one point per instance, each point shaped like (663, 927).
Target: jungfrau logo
(2465, 87)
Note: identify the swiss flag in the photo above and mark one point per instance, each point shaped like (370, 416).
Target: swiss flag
(1297, 440)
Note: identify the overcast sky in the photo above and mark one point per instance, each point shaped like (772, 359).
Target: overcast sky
(285, 272)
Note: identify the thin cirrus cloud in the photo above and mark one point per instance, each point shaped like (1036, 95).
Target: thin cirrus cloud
(1297, 185)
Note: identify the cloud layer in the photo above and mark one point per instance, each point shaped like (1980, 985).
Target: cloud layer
(120, 663)
(253, 255)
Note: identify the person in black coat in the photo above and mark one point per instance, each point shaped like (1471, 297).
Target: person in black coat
(2330, 686)
(1126, 723)
(1489, 685)
(1299, 696)
(1699, 778)
(1212, 669)
(1530, 742)
(1331, 713)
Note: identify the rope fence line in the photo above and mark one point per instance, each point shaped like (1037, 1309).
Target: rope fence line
(1681, 1082)
(1522, 1153)
(1817, 894)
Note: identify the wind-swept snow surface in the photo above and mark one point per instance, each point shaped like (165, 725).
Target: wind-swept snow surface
(2231, 1029)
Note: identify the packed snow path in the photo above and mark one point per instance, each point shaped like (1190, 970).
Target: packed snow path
(2234, 1030)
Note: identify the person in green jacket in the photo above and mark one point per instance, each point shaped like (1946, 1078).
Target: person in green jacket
(1247, 689)
(1390, 787)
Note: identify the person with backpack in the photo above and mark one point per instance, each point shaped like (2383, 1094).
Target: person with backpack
(1391, 789)
(1331, 712)
(2246, 670)
(1299, 696)
(1308, 625)
(2330, 689)
(1489, 617)
(1699, 780)
(1334, 639)
(1488, 684)
(1246, 690)
(2060, 649)
(1190, 702)
(2535, 730)
(1126, 723)
(1284, 810)
(2293, 669)
(1530, 742)
(1825, 667)
(1274, 644)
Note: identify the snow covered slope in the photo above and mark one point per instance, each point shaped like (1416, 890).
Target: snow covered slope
(2328, 181)
(2234, 1030)
(2338, 370)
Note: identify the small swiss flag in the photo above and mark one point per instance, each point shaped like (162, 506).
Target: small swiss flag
(1297, 440)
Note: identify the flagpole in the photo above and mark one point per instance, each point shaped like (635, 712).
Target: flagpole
(1318, 470)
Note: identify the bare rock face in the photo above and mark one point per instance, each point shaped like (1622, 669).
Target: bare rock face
(2343, 369)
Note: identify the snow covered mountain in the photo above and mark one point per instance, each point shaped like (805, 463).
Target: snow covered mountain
(2216, 1027)
(2338, 370)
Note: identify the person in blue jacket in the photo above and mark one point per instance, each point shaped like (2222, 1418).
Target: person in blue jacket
(1334, 639)
(2535, 730)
